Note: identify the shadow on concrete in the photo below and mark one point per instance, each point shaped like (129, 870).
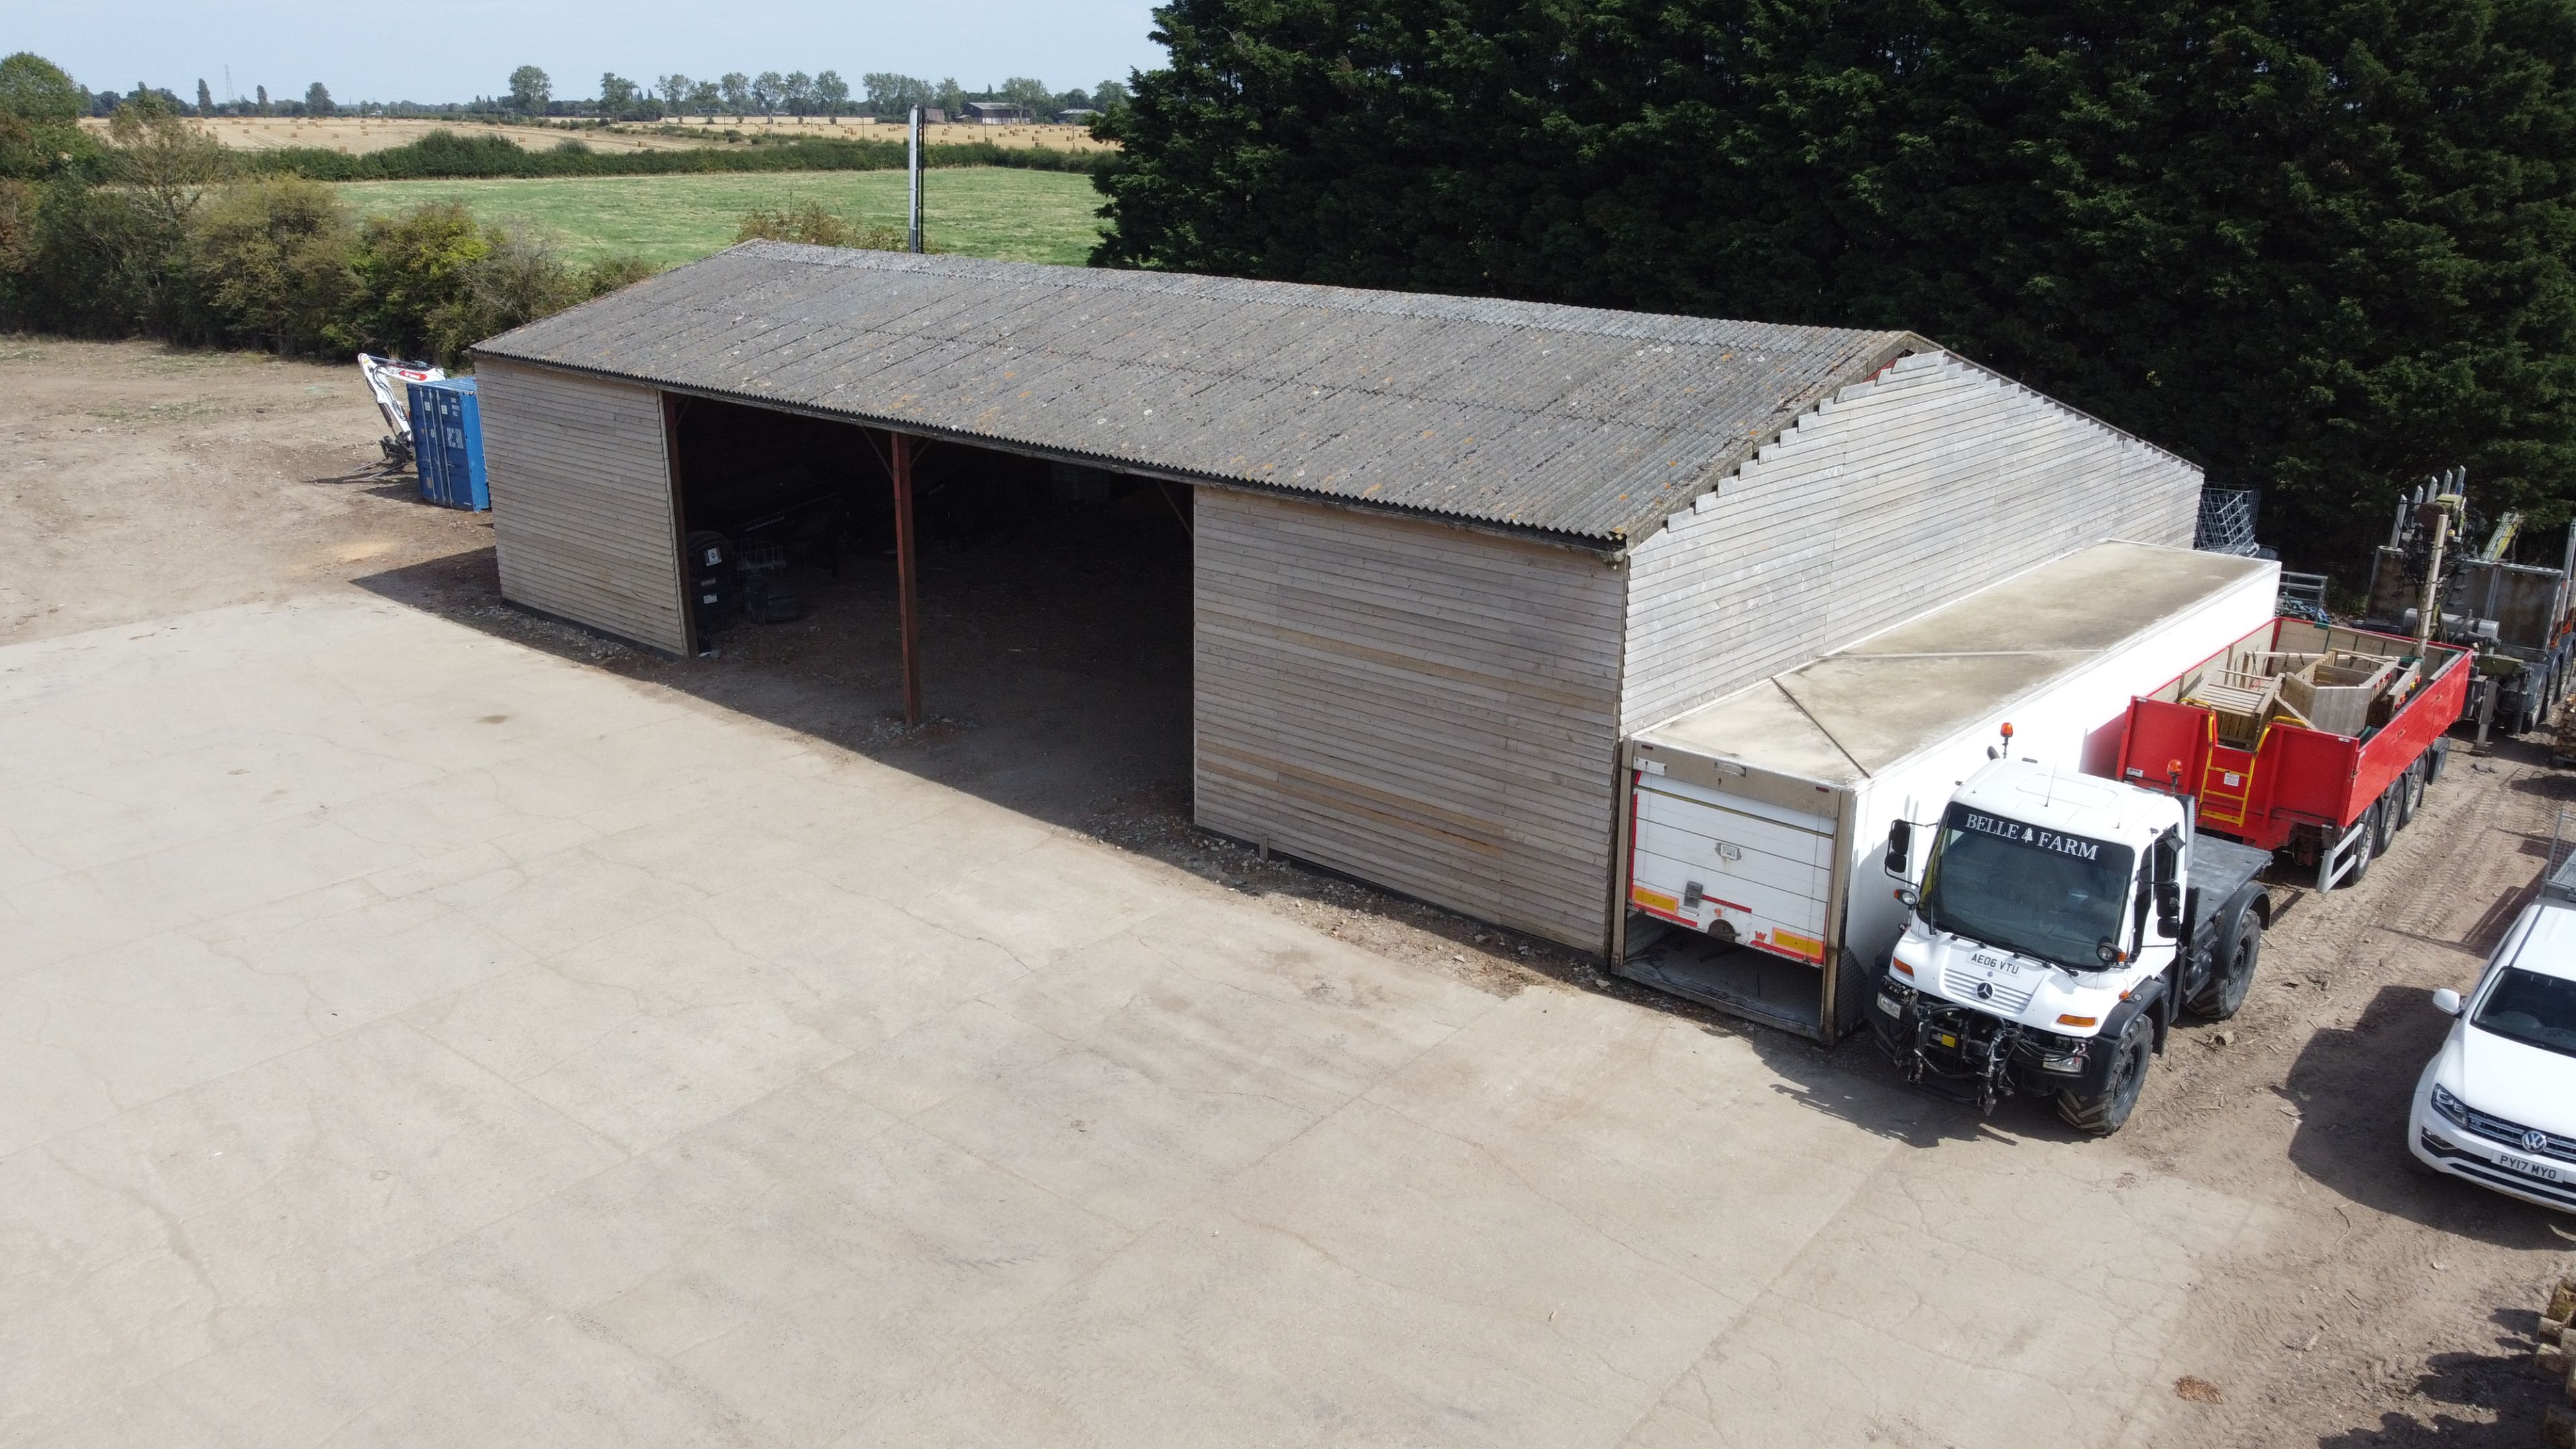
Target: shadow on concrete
(2491, 1398)
(1057, 681)
(2352, 1088)
(1057, 677)
(1056, 655)
(1854, 1082)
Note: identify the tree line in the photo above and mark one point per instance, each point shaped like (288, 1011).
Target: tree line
(2319, 247)
(316, 102)
(769, 94)
(156, 229)
(667, 97)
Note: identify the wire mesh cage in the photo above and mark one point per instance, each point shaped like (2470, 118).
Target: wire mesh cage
(2559, 881)
(2227, 520)
(2303, 596)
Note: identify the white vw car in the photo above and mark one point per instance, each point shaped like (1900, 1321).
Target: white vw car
(2497, 1104)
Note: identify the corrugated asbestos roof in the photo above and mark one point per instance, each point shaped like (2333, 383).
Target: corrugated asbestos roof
(1572, 421)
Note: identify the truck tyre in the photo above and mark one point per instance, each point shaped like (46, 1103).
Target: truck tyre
(2410, 794)
(2232, 975)
(2434, 759)
(2365, 847)
(2383, 830)
(2132, 1055)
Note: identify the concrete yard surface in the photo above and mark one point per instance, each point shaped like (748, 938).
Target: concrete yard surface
(411, 1038)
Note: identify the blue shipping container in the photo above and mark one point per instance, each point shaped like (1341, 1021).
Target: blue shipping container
(447, 442)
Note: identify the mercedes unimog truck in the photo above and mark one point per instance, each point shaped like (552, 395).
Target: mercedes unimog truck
(2062, 923)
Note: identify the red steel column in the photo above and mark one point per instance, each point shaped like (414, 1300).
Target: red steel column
(904, 582)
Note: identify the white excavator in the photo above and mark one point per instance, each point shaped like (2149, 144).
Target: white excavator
(390, 382)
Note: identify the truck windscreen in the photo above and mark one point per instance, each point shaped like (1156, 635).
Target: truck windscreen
(2039, 892)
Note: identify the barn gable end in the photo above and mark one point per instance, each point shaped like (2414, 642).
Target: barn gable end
(1897, 496)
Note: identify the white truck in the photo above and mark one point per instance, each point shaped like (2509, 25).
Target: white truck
(2062, 924)
(1755, 826)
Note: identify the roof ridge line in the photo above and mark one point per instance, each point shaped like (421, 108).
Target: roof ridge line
(1602, 321)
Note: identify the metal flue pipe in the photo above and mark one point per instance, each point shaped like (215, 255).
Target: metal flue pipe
(912, 156)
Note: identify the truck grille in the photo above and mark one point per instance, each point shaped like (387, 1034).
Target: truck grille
(2006, 1000)
(2511, 1134)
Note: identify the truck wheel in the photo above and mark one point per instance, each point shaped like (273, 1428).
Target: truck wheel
(2364, 847)
(2383, 830)
(2434, 759)
(2410, 794)
(2233, 976)
(2132, 1055)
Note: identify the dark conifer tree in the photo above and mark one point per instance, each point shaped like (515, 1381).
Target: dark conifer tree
(2319, 246)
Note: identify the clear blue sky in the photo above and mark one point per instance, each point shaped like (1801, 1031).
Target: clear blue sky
(456, 49)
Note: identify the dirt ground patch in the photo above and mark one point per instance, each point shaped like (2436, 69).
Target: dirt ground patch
(2379, 1308)
(137, 481)
(2395, 1309)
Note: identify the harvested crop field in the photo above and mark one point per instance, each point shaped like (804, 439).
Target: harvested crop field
(359, 136)
(1014, 215)
(865, 128)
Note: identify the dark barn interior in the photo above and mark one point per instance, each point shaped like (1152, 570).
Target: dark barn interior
(1053, 601)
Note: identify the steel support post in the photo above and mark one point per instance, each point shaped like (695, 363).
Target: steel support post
(908, 602)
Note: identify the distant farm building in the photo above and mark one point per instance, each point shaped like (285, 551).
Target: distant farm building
(997, 113)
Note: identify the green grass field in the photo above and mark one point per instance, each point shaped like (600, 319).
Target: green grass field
(1025, 216)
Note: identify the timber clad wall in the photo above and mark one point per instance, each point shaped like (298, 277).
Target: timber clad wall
(581, 501)
(1418, 705)
(1898, 496)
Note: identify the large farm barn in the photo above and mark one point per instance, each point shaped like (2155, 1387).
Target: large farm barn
(1447, 552)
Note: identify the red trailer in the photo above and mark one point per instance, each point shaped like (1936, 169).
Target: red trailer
(2304, 740)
